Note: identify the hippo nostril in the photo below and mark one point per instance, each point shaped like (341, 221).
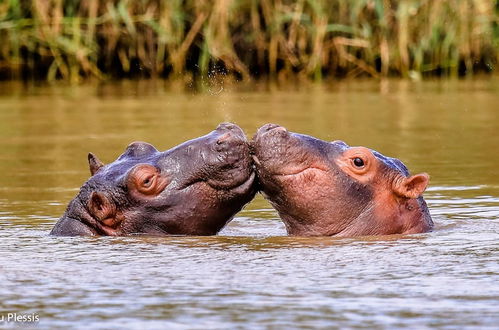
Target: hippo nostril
(223, 138)
(229, 126)
(269, 127)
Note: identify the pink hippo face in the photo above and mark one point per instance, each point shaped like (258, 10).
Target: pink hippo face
(325, 188)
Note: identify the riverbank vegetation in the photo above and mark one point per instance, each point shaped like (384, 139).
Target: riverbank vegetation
(276, 39)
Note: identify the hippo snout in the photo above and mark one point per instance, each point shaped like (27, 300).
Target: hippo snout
(230, 127)
(270, 127)
(231, 138)
(268, 138)
(228, 133)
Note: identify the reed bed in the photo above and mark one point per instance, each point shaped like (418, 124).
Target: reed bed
(71, 40)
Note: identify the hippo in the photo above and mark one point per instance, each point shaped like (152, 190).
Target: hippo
(195, 188)
(324, 188)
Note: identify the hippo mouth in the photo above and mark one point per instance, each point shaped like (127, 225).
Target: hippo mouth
(244, 186)
(233, 161)
(301, 171)
(288, 172)
(276, 152)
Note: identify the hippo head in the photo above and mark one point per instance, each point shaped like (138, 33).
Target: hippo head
(325, 188)
(193, 189)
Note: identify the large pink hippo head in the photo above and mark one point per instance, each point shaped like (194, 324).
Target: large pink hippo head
(325, 188)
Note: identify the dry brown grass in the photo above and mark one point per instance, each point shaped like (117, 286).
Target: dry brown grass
(249, 38)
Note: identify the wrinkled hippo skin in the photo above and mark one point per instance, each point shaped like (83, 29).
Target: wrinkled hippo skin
(325, 188)
(195, 188)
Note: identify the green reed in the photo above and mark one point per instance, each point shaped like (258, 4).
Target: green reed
(53, 39)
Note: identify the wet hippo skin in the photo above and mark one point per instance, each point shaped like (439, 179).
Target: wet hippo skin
(195, 188)
(324, 188)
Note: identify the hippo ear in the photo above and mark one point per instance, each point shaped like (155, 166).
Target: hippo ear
(94, 163)
(101, 207)
(147, 180)
(413, 186)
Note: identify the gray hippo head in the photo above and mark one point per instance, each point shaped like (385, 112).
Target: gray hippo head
(195, 188)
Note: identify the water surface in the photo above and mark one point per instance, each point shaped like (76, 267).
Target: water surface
(251, 275)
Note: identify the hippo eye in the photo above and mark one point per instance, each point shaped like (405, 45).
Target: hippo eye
(358, 162)
(147, 182)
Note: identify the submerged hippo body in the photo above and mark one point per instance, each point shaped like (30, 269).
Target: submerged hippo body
(325, 188)
(195, 188)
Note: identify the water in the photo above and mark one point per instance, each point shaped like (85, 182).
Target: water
(251, 275)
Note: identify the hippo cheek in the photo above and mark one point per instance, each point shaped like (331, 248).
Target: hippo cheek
(392, 214)
(414, 216)
(385, 218)
(304, 200)
(298, 166)
(198, 210)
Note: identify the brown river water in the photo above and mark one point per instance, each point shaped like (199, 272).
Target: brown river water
(251, 275)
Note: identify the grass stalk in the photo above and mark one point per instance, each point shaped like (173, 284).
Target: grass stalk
(55, 39)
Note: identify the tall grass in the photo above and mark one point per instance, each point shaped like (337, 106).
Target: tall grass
(52, 39)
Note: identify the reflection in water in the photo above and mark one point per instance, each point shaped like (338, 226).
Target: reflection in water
(252, 275)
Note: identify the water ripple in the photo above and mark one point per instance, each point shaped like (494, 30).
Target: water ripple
(252, 275)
